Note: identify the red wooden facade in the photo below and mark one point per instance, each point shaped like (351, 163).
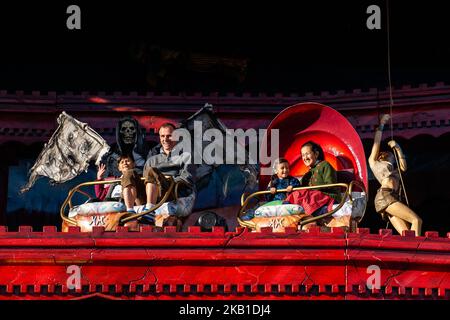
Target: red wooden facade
(223, 265)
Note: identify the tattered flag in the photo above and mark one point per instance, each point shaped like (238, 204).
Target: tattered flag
(68, 153)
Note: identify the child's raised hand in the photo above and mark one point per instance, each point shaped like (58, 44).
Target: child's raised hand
(101, 171)
(273, 190)
(289, 188)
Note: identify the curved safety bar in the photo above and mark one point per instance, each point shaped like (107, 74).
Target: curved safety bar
(68, 200)
(251, 225)
(343, 199)
(159, 204)
(177, 186)
(360, 185)
(348, 193)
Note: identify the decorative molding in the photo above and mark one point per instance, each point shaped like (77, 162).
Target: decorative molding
(340, 99)
(30, 116)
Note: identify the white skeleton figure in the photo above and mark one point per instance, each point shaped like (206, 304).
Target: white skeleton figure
(128, 132)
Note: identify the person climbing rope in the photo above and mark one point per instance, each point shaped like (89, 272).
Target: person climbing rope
(385, 168)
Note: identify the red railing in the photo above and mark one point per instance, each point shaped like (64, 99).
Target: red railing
(222, 265)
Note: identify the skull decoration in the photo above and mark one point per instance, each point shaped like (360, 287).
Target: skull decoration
(128, 132)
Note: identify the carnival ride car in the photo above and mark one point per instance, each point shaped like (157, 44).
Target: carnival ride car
(342, 148)
(108, 214)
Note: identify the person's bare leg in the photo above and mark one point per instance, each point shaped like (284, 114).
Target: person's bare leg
(129, 196)
(138, 201)
(401, 211)
(309, 225)
(399, 224)
(151, 190)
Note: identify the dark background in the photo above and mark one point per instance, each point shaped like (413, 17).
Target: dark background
(289, 47)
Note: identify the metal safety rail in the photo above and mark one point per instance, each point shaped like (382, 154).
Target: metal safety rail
(245, 200)
(123, 216)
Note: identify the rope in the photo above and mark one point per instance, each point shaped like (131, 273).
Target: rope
(391, 104)
(391, 100)
(401, 177)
